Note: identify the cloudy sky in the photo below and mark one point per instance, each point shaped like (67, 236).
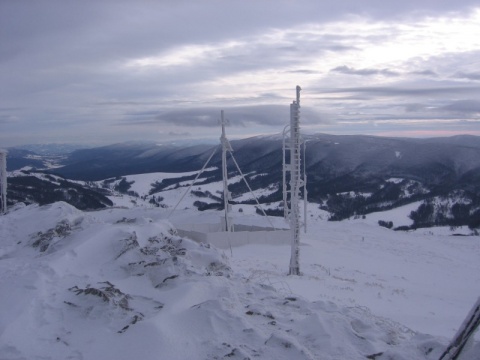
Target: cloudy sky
(108, 71)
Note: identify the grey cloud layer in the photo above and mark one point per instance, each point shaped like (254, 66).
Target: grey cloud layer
(364, 72)
(240, 116)
(64, 64)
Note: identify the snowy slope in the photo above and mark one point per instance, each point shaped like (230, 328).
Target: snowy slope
(398, 216)
(142, 183)
(427, 283)
(119, 284)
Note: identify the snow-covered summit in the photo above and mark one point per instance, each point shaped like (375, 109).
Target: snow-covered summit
(120, 284)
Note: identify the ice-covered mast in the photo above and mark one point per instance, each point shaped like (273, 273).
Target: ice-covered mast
(226, 194)
(3, 181)
(291, 195)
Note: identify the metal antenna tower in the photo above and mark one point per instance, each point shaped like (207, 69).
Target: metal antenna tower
(3, 181)
(227, 224)
(291, 194)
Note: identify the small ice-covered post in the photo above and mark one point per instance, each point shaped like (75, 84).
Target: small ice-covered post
(3, 181)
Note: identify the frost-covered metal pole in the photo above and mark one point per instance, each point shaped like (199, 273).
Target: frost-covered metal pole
(3, 181)
(285, 170)
(464, 335)
(226, 194)
(304, 182)
(295, 183)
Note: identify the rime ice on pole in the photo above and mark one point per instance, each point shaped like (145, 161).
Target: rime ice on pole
(3, 181)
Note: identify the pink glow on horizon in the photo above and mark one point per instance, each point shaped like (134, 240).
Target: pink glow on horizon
(426, 133)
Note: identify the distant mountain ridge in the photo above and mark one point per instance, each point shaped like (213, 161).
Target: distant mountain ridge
(131, 158)
(53, 149)
(327, 155)
(348, 175)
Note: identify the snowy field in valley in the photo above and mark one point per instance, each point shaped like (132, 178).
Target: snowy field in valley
(119, 284)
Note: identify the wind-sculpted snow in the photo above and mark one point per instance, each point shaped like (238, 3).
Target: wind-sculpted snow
(121, 284)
